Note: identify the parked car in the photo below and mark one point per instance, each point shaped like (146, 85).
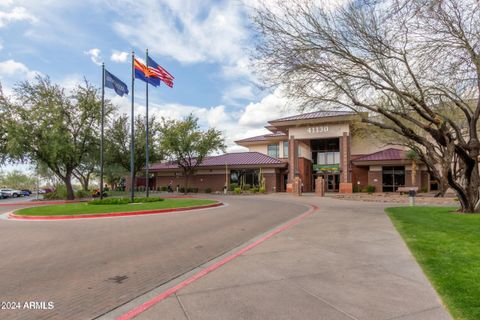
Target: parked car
(11, 192)
(26, 192)
(3, 195)
(44, 190)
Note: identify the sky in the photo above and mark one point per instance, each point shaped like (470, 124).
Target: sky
(205, 44)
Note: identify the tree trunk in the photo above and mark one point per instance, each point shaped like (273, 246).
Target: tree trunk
(86, 182)
(468, 193)
(68, 184)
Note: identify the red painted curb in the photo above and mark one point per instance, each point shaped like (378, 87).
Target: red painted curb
(150, 303)
(37, 202)
(113, 214)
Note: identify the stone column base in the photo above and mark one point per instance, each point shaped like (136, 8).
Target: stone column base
(297, 186)
(346, 187)
(320, 187)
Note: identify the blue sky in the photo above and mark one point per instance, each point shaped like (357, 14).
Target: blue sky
(204, 44)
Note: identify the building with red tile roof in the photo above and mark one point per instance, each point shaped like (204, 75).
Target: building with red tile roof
(307, 146)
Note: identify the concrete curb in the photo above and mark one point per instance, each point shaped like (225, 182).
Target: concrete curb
(13, 216)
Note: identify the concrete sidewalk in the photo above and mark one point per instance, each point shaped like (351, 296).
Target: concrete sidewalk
(346, 261)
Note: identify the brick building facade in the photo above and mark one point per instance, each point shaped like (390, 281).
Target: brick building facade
(311, 145)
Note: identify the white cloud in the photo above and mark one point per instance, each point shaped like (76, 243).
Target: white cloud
(187, 31)
(119, 56)
(16, 14)
(235, 92)
(272, 106)
(13, 69)
(5, 3)
(95, 55)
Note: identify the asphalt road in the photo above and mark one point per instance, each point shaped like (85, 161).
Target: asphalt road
(88, 267)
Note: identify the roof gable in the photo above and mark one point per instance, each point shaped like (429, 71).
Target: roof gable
(229, 159)
(315, 115)
(387, 154)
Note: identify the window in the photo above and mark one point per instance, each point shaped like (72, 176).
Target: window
(393, 177)
(273, 150)
(328, 157)
(285, 149)
(326, 151)
(244, 177)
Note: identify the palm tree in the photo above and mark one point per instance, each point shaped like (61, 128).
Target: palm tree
(412, 155)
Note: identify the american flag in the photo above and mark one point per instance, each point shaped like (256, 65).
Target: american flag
(155, 70)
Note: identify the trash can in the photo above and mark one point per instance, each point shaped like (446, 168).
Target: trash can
(411, 197)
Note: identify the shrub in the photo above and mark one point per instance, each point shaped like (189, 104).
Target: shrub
(208, 190)
(424, 190)
(370, 189)
(233, 186)
(82, 194)
(237, 190)
(262, 190)
(181, 190)
(109, 201)
(246, 186)
(164, 188)
(59, 193)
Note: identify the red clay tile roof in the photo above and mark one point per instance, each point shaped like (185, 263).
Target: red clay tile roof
(315, 115)
(388, 154)
(231, 159)
(264, 137)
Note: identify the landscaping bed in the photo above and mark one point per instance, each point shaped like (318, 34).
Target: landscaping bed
(427, 199)
(447, 246)
(85, 208)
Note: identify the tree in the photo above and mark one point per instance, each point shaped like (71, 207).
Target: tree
(49, 127)
(115, 176)
(86, 169)
(117, 148)
(17, 180)
(404, 66)
(187, 145)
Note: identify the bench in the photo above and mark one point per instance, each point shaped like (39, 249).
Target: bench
(403, 190)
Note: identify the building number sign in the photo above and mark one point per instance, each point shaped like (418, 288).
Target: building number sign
(320, 129)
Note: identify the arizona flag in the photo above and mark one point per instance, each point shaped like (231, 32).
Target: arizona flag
(142, 73)
(155, 70)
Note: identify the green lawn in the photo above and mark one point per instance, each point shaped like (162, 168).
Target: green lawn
(84, 208)
(447, 246)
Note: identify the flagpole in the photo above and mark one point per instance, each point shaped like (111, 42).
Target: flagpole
(101, 130)
(147, 180)
(132, 136)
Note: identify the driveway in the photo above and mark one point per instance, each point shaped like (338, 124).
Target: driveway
(346, 261)
(89, 267)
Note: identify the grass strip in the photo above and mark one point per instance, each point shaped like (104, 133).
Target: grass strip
(447, 246)
(85, 208)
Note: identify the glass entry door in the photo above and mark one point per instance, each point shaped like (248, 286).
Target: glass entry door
(393, 177)
(332, 181)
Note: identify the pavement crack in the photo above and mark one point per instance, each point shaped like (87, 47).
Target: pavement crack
(182, 306)
(324, 301)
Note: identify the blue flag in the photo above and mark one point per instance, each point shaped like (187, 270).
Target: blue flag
(116, 84)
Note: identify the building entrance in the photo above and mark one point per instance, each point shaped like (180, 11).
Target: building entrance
(332, 181)
(393, 177)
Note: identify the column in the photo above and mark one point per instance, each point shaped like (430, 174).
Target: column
(345, 179)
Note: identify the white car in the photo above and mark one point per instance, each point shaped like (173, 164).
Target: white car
(11, 192)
